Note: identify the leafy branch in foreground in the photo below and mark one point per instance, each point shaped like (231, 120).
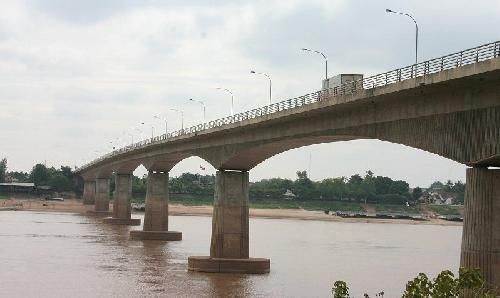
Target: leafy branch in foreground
(445, 285)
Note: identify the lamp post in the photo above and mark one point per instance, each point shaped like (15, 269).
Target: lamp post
(204, 108)
(182, 117)
(324, 57)
(232, 98)
(416, 29)
(166, 124)
(270, 82)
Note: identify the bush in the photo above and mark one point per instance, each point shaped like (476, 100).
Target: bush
(445, 285)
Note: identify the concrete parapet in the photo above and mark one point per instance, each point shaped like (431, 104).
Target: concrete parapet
(156, 235)
(225, 265)
(481, 230)
(123, 221)
(102, 194)
(89, 192)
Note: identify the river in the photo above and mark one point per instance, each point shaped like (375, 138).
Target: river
(69, 255)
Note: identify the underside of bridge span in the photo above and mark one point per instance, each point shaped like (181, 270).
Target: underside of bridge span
(454, 113)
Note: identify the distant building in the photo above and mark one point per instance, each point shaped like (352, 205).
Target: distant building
(435, 198)
(17, 187)
(289, 195)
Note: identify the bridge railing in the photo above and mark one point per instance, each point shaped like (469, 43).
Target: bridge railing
(455, 60)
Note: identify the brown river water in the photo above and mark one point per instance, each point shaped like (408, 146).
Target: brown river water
(69, 255)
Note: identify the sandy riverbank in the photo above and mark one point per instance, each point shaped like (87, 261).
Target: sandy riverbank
(76, 206)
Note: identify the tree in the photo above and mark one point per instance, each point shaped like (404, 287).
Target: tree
(60, 182)
(400, 187)
(3, 169)
(416, 193)
(382, 185)
(333, 188)
(436, 185)
(368, 189)
(19, 176)
(274, 188)
(40, 174)
(303, 187)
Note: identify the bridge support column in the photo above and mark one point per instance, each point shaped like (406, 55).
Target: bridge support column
(229, 245)
(156, 216)
(101, 197)
(121, 202)
(481, 230)
(88, 192)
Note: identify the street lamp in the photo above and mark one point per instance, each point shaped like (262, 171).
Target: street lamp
(152, 130)
(270, 82)
(204, 108)
(324, 56)
(416, 30)
(232, 98)
(166, 124)
(182, 117)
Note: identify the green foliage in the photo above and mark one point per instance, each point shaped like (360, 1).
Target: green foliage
(340, 290)
(416, 193)
(450, 189)
(60, 182)
(192, 200)
(397, 208)
(445, 209)
(445, 285)
(19, 176)
(274, 188)
(303, 187)
(3, 169)
(355, 188)
(40, 175)
(188, 183)
(139, 185)
(61, 179)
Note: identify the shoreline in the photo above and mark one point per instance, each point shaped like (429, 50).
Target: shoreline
(76, 206)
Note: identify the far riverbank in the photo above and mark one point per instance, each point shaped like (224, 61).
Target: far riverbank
(76, 206)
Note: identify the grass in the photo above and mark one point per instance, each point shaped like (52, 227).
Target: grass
(274, 204)
(390, 208)
(3, 197)
(313, 205)
(445, 210)
(331, 206)
(191, 200)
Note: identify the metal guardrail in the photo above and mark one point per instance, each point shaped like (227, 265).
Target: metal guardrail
(455, 60)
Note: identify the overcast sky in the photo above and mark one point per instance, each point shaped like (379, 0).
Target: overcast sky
(77, 75)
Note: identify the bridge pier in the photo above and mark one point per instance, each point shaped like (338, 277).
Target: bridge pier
(121, 202)
(156, 214)
(229, 245)
(481, 229)
(101, 197)
(88, 192)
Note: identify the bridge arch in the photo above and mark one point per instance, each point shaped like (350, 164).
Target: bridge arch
(471, 138)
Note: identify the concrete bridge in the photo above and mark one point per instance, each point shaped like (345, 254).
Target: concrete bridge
(449, 106)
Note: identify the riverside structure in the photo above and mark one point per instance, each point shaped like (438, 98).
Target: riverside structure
(448, 106)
